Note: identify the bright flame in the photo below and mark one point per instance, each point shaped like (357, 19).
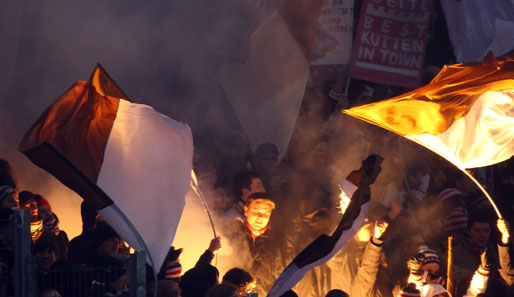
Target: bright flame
(343, 203)
(364, 234)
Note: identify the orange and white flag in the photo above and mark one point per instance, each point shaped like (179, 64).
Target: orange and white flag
(466, 114)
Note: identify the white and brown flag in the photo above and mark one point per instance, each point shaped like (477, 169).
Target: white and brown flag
(131, 163)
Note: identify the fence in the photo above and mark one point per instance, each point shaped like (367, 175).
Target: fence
(63, 279)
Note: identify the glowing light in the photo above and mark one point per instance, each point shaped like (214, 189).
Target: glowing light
(364, 233)
(344, 202)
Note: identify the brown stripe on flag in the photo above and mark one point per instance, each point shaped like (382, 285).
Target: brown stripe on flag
(105, 85)
(69, 140)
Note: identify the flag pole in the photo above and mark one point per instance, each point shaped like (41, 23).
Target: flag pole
(196, 189)
(483, 191)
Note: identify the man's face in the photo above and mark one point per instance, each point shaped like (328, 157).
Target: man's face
(45, 259)
(479, 233)
(31, 205)
(255, 187)
(258, 214)
(433, 273)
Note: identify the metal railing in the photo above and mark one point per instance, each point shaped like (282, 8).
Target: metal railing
(66, 280)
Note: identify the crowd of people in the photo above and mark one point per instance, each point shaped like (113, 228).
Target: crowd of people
(270, 205)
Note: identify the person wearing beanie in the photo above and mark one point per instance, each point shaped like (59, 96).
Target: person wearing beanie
(8, 197)
(51, 224)
(467, 252)
(454, 214)
(104, 243)
(424, 268)
(28, 201)
(171, 269)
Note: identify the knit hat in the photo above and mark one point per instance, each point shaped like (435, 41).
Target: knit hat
(6, 191)
(6, 216)
(457, 220)
(430, 255)
(430, 290)
(409, 291)
(102, 232)
(42, 201)
(173, 271)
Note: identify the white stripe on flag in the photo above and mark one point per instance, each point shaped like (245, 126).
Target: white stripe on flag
(146, 172)
(483, 137)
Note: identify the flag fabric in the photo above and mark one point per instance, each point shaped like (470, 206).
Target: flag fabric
(105, 85)
(321, 249)
(391, 41)
(132, 164)
(466, 114)
(472, 40)
(266, 91)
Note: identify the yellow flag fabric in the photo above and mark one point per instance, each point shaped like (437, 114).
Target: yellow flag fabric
(466, 114)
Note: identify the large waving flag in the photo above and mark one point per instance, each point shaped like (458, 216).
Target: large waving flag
(127, 160)
(466, 114)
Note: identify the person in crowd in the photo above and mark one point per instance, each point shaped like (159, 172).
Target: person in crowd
(45, 250)
(7, 227)
(51, 224)
(453, 212)
(241, 279)
(364, 280)
(78, 246)
(28, 201)
(244, 184)
(506, 270)
(266, 161)
(424, 268)
(413, 188)
(466, 253)
(8, 197)
(171, 269)
(104, 244)
(222, 290)
(289, 293)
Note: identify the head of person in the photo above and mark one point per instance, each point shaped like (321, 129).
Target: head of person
(258, 211)
(88, 215)
(246, 183)
(479, 229)
(289, 293)
(105, 241)
(44, 208)
(8, 197)
(28, 200)
(431, 265)
(45, 250)
(415, 173)
(223, 290)
(241, 279)
(266, 157)
(337, 293)
(7, 224)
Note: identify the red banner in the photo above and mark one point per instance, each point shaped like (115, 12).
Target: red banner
(391, 41)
